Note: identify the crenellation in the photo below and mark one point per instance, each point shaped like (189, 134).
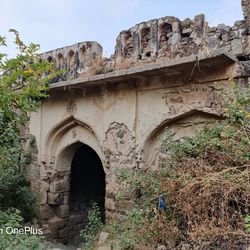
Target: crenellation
(160, 39)
(156, 40)
(74, 58)
(246, 10)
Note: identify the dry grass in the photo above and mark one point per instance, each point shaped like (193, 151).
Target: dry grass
(206, 186)
(97, 66)
(125, 64)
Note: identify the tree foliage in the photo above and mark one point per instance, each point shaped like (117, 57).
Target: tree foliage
(12, 219)
(24, 82)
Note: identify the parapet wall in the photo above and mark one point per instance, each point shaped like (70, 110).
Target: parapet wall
(76, 58)
(246, 9)
(156, 40)
(171, 38)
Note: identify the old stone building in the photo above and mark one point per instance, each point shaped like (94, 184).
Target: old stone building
(104, 114)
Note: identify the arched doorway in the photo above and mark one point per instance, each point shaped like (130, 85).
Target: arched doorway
(87, 186)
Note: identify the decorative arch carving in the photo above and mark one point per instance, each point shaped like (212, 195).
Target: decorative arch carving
(165, 29)
(60, 60)
(68, 132)
(188, 122)
(70, 59)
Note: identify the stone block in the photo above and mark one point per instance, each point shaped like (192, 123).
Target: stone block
(221, 26)
(112, 187)
(55, 223)
(246, 45)
(199, 20)
(63, 232)
(242, 33)
(44, 185)
(110, 204)
(187, 32)
(186, 23)
(125, 205)
(43, 197)
(103, 238)
(176, 27)
(239, 23)
(235, 28)
(43, 173)
(186, 247)
(175, 38)
(76, 219)
(59, 186)
(45, 212)
(245, 8)
(211, 29)
(66, 198)
(55, 199)
(62, 211)
(161, 247)
(233, 35)
(114, 216)
(44, 188)
(212, 42)
(237, 48)
(196, 36)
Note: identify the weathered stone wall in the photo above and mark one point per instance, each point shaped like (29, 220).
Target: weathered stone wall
(170, 38)
(75, 59)
(125, 124)
(124, 115)
(156, 40)
(246, 10)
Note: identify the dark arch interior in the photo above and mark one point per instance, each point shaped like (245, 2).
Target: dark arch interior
(87, 185)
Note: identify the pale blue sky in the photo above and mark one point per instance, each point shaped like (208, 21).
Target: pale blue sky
(57, 23)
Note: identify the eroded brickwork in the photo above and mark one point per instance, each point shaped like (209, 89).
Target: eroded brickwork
(156, 40)
(166, 75)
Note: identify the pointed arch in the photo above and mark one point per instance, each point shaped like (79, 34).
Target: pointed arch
(67, 132)
(153, 142)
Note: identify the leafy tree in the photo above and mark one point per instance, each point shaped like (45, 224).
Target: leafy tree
(24, 82)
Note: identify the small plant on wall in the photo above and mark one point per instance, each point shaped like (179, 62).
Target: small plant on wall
(89, 234)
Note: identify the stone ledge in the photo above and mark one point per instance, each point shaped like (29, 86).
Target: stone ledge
(169, 68)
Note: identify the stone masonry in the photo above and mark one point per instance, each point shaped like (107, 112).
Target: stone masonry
(166, 75)
(157, 40)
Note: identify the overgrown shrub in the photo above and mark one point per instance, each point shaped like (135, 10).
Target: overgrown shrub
(12, 218)
(247, 223)
(23, 84)
(15, 192)
(205, 185)
(90, 233)
(98, 66)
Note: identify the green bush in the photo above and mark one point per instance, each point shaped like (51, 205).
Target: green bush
(23, 84)
(205, 185)
(90, 232)
(247, 223)
(15, 192)
(12, 218)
